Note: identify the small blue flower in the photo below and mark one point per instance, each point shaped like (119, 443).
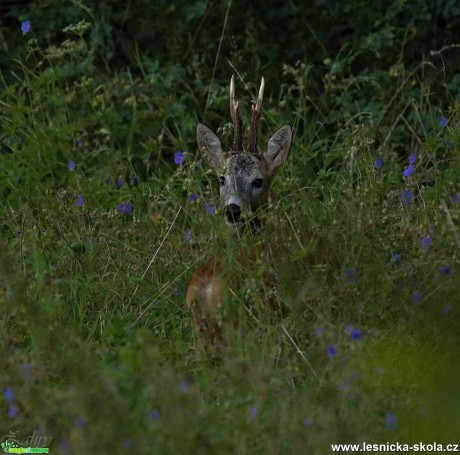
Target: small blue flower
(351, 275)
(26, 26)
(426, 242)
(397, 258)
(188, 235)
(71, 166)
(178, 292)
(184, 386)
(446, 309)
(391, 421)
(179, 158)
(125, 207)
(252, 413)
(307, 422)
(154, 415)
(319, 331)
(26, 370)
(406, 196)
(81, 423)
(445, 270)
(416, 298)
(210, 210)
(9, 395)
(192, 197)
(12, 411)
(408, 171)
(356, 334)
(331, 351)
(442, 121)
(378, 163)
(64, 445)
(455, 198)
(80, 200)
(128, 443)
(412, 158)
(119, 183)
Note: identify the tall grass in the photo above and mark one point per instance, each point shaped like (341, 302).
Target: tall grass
(101, 231)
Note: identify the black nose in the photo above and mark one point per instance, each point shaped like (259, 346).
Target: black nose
(232, 213)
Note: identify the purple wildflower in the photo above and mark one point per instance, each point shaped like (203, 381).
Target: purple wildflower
(178, 292)
(192, 197)
(408, 171)
(446, 309)
(412, 158)
(80, 423)
(445, 270)
(442, 121)
(252, 413)
(351, 275)
(154, 414)
(9, 395)
(426, 242)
(80, 200)
(119, 183)
(188, 235)
(416, 298)
(331, 351)
(12, 411)
(26, 26)
(128, 443)
(210, 210)
(184, 386)
(397, 258)
(378, 163)
(406, 196)
(179, 158)
(125, 207)
(26, 370)
(319, 331)
(307, 422)
(356, 334)
(71, 166)
(391, 421)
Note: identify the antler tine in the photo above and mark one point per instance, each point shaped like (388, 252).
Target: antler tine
(256, 113)
(237, 125)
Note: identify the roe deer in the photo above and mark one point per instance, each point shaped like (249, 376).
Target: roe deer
(245, 177)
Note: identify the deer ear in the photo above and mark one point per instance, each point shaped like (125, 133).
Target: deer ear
(278, 148)
(209, 146)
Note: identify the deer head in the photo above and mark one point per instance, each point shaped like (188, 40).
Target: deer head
(244, 175)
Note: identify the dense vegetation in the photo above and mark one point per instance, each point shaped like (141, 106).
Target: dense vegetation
(103, 223)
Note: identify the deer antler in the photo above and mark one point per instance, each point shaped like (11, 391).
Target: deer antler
(256, 113)
(237, 125)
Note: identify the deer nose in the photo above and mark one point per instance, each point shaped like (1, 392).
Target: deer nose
(232, 213)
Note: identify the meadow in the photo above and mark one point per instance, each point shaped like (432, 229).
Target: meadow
(107, 209)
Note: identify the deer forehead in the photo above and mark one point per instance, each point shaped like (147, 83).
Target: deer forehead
(246, 167)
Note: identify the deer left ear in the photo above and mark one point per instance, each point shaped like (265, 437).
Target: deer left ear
(209, 146)
(278, 148)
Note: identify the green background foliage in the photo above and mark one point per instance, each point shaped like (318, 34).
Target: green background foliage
(97, 346)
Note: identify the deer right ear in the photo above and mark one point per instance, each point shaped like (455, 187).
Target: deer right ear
(210, 147)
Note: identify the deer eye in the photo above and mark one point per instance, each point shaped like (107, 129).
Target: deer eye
(257, 183)
(222, 180)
